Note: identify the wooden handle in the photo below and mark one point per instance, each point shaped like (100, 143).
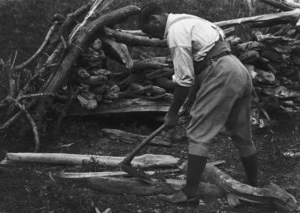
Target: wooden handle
(133, 153)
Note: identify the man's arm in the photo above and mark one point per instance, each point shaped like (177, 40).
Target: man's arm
(179, 96)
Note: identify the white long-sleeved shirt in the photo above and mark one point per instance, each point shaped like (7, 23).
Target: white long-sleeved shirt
(189, 39)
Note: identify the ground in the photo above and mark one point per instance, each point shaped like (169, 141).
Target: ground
(33, 188)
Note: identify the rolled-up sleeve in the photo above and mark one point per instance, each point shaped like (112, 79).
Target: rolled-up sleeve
(183, 66)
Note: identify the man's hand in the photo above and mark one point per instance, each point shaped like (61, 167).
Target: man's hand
(188, 104)
(171, 120)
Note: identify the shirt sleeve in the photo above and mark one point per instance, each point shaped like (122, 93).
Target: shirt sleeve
(183, 66)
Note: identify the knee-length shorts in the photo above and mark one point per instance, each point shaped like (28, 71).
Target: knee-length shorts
(223, 99)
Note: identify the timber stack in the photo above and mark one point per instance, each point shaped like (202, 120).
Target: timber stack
(76, 77)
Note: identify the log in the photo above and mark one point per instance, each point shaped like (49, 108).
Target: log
(267, 20)
(128, 137)
(122, 106)
(133, 186)
(270, 194)
(144, 161)
(134, 40)
(290, 4)
(138, 38)
(278, 5)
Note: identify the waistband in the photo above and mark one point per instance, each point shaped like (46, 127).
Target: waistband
(220, 49)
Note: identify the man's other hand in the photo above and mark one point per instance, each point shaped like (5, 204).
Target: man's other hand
(171, 120)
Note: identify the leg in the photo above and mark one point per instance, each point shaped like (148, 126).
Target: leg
(210, 111)
(239, 126)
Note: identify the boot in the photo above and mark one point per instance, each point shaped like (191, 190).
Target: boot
(189, 194)
(250, 166)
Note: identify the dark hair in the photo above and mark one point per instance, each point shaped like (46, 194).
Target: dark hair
(147, 11)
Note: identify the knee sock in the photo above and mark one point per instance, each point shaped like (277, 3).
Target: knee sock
(251, 169)
(196, 166)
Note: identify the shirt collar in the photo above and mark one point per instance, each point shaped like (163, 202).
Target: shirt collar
(168, 24)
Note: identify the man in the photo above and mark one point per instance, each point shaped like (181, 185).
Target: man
(211, 80)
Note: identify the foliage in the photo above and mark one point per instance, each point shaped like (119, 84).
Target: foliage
(24, 24)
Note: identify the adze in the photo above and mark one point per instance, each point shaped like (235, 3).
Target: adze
(138, 172)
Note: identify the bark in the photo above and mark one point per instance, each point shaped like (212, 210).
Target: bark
(144, 161)
(128, 137)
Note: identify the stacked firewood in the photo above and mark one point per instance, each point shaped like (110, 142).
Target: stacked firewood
(97, 84)
(273, 62)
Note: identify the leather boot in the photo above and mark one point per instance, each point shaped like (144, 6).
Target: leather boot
(189, 194)
(251, 169)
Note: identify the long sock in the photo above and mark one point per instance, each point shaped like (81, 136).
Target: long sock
(196, 166)
(251, 169)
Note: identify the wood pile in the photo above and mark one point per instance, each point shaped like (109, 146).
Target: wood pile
(70, 73)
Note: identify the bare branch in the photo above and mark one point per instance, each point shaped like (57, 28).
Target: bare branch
(33, 125)
(41, 95)
(40, 50)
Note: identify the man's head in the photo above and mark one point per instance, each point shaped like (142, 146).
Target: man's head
(153, 20)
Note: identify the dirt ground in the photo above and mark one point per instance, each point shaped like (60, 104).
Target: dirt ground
(29, 187)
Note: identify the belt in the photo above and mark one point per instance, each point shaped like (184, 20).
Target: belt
(198, 67)
(220, 49)
(215, 58)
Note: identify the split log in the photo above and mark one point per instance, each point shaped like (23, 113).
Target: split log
(85, 175)
(264, 20)
(144, 161)
(134, 186)
(117, 51)
(123, 106)
(128, 137)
